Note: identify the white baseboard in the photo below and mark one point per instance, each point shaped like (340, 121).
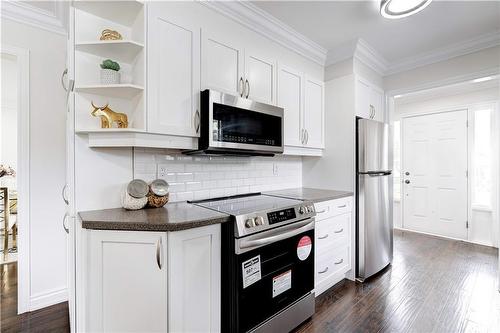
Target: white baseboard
(47, 299)
(443, 237)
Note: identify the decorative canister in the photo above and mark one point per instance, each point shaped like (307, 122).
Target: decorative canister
(109, 76)
(158, 193)
(134, 196)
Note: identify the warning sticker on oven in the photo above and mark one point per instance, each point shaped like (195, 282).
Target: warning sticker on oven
(304, 248)
(251, 271)
(282, 283)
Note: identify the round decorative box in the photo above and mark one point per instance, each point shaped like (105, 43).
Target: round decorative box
(109, 76)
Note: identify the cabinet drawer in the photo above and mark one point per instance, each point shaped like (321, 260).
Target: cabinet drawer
(330, 208)
(333, 231)
(332, 261)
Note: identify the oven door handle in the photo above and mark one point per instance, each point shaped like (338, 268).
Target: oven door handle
(300, 227)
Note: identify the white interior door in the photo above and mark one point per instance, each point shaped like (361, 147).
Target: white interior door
(435, 173)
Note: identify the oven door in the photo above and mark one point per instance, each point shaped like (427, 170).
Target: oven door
(244, 125)
(275, 268)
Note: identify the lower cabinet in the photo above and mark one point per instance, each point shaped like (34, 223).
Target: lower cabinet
(141, 281)
(333, 258)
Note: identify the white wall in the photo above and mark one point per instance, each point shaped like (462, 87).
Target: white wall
(47, 159)
(8, 117)
(483, 227)
(485, 60)
(202, 177)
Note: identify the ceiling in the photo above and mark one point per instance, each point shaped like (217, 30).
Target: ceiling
(441, 24)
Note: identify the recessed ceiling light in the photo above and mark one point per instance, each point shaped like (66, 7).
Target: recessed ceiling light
(482, 79)
(395, 9)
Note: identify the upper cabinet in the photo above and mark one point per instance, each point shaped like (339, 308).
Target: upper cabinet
(173, 73)
(314, 113)
(302, 98)
(222, 64)
(369, 100)
(229, 68)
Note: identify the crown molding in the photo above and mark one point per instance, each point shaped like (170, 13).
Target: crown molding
(53, 21)
(270, 27)
(446, 52)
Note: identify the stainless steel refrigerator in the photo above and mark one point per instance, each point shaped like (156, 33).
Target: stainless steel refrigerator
(374, 241)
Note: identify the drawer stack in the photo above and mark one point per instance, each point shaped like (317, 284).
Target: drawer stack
(333, 242)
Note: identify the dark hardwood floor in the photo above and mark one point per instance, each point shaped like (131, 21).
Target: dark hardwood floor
(51, 319)
(433, 285)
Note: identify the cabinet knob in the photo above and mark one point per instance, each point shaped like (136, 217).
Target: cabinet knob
(407, 181)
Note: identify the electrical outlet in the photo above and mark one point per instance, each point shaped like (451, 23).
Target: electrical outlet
(162, 171)
(275, 169)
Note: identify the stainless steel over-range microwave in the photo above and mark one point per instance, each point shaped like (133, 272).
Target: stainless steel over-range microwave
(232, 125)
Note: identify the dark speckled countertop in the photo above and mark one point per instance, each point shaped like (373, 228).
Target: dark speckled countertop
(172, 217)
(311, 194)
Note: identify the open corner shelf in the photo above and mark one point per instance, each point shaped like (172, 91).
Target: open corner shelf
(121, 12)
(111, 90)
(118, 50)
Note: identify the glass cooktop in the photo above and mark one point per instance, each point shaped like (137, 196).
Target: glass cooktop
(246, 204)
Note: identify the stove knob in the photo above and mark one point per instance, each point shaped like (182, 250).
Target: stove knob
(249, 223)
(302, 210)
(259, 220)
(310, 209)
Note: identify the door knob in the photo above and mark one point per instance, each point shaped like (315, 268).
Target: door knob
(407, 181)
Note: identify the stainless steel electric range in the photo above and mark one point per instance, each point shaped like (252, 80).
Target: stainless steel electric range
(267, 266)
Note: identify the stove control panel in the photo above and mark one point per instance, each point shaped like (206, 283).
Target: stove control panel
(281, 215)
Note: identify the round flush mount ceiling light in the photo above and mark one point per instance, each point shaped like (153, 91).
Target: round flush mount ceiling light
(395, 9)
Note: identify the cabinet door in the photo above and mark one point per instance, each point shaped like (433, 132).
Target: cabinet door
(377, 103)
(314, 113)
(173, 73)
(260, 78)
(290, 98)
(194, 280)
(128, 281)
(222, 65)
(362, 96)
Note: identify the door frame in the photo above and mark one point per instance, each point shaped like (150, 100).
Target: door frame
(468, 153)
(23, 172)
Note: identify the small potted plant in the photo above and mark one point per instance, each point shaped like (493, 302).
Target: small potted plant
(110, 72)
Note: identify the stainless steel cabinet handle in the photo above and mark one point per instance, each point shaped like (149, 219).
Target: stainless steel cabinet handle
(248, 88)
(407, 181)
(307, 136)
(197, 121)
(343, 206)
(339, 262)
(66, 215)
(64, 73)
(322, 211)
(407, 173)
(302, 136)
(63, 194)
(242, 87)
(323, 271)
(158, 253)
(323, 237)
(338, 231)
(372, 111)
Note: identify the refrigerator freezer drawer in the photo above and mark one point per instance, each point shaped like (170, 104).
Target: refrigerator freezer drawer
(374, 224)
(373, 146)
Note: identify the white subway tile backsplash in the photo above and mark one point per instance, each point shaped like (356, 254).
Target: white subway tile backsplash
(203, 177)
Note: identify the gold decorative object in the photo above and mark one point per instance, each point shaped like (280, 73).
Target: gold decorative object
(108, 34)
(108, 116)
(157, 201)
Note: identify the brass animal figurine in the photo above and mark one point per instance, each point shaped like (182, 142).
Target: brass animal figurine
(108, 34)
(108, 116)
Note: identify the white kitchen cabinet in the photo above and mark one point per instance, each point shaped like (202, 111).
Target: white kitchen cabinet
(127, 281)
(229, 68)
(369, 100)
(334, 243)
(290, 98)
(314, 113)
(222, 64)
(194, 280)
(260, 78)
(173, 73)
